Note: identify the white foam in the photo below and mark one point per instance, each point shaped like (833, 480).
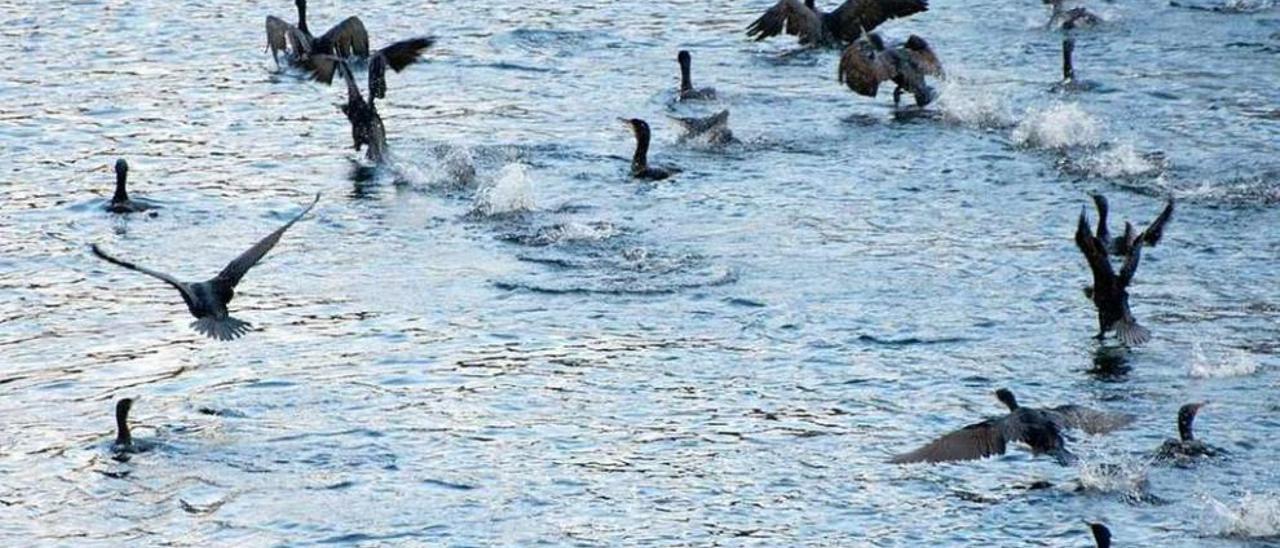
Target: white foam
(582, 232)
(1231, 363)
(972, 107)
(1058, 126)
(1127, 478)
(1253, 516)
(1122, 160)
(511, 191)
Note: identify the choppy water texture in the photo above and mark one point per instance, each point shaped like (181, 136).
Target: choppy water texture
(504, 340)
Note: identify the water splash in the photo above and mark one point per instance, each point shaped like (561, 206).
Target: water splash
(973, 107)
(1121, 160)
(510, 192)
(1233, 363)
(1253, 516)
(1127, 478)
(1059, 126)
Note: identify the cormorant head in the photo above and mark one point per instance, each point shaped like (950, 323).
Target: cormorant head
(683, 58)
(875, 40)
(916, 43)
(1101, 535)
(1006, 397)
(122, 168)
(638, 126)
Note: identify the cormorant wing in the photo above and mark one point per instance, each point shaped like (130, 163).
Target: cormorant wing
(697, 126)
(791, 16)
(397, 56)
(237, 268)
(1130, 266)
(1151, 236)
(1100, 203)
(862, 68)
(278, 34)
(347, 38)
(854, 17)
(1094, 253)
(1091, 421)
(972, 442)
(181, 287)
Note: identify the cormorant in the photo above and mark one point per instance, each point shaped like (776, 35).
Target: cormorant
(868, 62)
(640, 168)
(346, 39)
(1110, 292)
(836, 29)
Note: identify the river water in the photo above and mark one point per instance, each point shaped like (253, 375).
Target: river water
(546, 352)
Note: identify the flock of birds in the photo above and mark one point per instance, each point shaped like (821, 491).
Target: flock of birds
(867, 61)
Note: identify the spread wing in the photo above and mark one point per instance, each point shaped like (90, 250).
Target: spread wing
(790, 16)
(345, 39)
(854, 17)
(277, 34)
(1091, 421)
(972, 442)
(1093, 252)
(1151, 236)
(397, 56)
(695, 126)
(862, 68)
(240, 266)
(158, 275)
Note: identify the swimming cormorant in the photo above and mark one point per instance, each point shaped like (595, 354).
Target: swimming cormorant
(1110, 292)
(346, 39)
(640, 168)
(208, 300)
(868, 62)
(1186, 447)
(836, 29)
(1039, 428)
(687, 91)
(120, 202)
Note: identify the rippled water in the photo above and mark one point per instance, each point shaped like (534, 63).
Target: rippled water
(503, 340)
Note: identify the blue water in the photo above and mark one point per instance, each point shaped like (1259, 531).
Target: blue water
(549, 352)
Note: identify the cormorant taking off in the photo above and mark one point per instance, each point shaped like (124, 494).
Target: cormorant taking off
(640, 168)
(687, 91)
(1110, 292)
(208, 300)
(868, 62)
(1039, 428)
(346, 39)
(366, 124)
(842, 26)
(1121, 245)
(120, 202)
(1186, 447)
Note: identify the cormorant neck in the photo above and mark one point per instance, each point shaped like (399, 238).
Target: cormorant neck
(1006, 397)
(1100, 201)
(1186, 416)
(121, 194)
(123, 438)
(1101, 535)
(641, 159)
(302, 17)
(686, 83)
(1068, 72)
